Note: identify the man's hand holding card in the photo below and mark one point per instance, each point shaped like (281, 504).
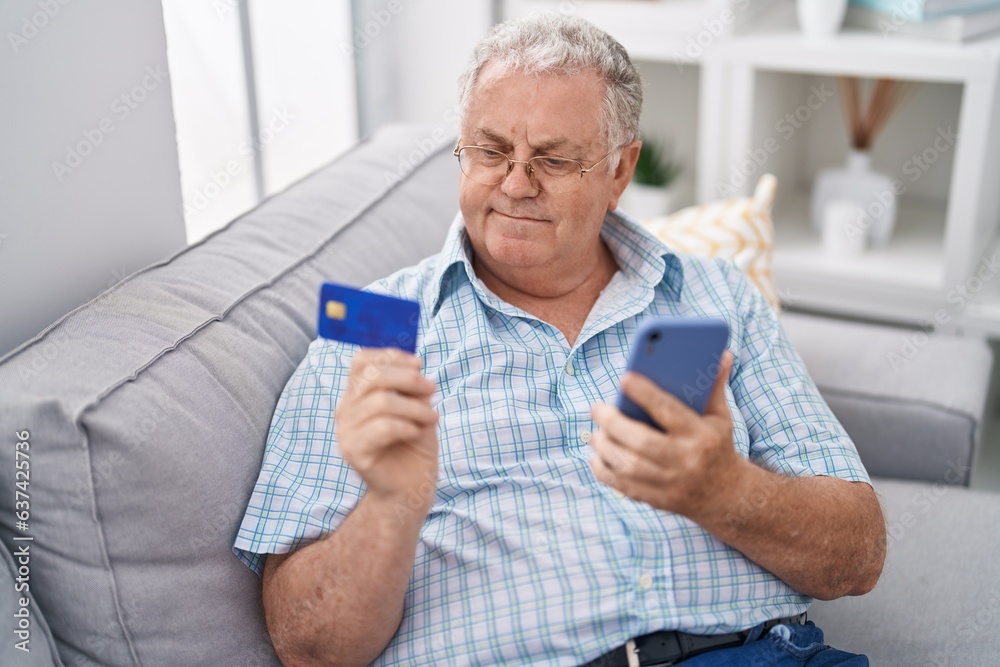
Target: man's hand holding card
(385, 423)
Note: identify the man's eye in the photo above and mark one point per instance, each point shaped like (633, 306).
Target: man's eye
(491, 156)
(557, 165)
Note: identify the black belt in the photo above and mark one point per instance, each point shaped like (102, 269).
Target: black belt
(670, 647)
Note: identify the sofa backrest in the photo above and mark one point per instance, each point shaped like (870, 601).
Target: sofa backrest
(147, 408)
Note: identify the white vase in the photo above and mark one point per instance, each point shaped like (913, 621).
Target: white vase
(842, 236)
(642, 202)
(821, 18)
(871, 193)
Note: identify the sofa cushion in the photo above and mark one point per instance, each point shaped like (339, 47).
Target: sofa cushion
(149, 407)
(911, 417)
(938, 601)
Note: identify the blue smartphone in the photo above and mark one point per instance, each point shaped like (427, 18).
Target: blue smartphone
(680, 355)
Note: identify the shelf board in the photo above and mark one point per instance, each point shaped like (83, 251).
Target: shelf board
(863, 53)
(913, 258)
(662, 31)
(902, 281)
(982, 313)
(654, 31)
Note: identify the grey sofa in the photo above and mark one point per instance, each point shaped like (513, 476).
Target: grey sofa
(146, 412)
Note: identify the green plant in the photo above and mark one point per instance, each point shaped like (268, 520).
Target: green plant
(656, 166)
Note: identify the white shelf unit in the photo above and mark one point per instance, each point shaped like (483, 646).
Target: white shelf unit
(947, 215)
(760, 69)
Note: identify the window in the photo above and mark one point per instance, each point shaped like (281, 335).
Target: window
(262, 96)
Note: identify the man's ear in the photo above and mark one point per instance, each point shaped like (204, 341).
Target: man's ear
(623, 174)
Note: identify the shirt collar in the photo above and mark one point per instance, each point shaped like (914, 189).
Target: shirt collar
(640, 256)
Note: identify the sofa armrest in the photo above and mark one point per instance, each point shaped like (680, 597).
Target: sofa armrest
(912, 402)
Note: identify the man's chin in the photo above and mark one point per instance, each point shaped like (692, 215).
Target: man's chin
(516, 252)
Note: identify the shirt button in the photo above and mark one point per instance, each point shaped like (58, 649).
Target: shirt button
(585, 437)
(645, 582)
(569, 368)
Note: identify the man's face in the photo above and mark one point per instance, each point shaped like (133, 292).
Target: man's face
(515, 225)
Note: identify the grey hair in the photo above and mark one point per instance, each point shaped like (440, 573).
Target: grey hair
(564, 46)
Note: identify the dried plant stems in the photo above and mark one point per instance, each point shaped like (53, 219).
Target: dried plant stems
(864, 125)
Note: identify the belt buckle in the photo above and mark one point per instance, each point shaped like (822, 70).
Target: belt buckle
(636, 658)
(631, 653)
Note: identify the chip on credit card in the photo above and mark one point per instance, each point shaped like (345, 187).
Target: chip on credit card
(367, 319)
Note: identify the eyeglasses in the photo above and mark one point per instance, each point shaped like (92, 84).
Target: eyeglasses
(552, 174)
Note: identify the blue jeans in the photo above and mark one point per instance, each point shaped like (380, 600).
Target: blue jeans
(783, 645)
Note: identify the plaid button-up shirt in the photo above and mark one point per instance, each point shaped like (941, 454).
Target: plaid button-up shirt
(525, 558)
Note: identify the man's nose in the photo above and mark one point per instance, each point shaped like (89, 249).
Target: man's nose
(518, 183)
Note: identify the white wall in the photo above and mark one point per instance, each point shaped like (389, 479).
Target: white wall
(90, 76)
(412, 57)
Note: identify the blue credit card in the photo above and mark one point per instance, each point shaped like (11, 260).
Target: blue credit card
(363, 318)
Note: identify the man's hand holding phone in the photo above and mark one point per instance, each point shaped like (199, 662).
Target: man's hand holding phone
(682, 460)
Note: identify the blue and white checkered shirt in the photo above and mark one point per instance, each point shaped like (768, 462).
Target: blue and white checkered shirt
(525, 558)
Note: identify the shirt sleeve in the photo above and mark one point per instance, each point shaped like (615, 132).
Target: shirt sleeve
(305, 489)
(792, 430)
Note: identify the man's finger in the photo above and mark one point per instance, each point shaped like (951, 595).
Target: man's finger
(717, 404)
(379, 435)
(624, 462)
(666, 409)
(386, 356)
(405, 379)
(391, 404)
(625, 485)
(637, 436)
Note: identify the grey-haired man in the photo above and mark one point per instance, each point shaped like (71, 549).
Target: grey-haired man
(480, 503)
